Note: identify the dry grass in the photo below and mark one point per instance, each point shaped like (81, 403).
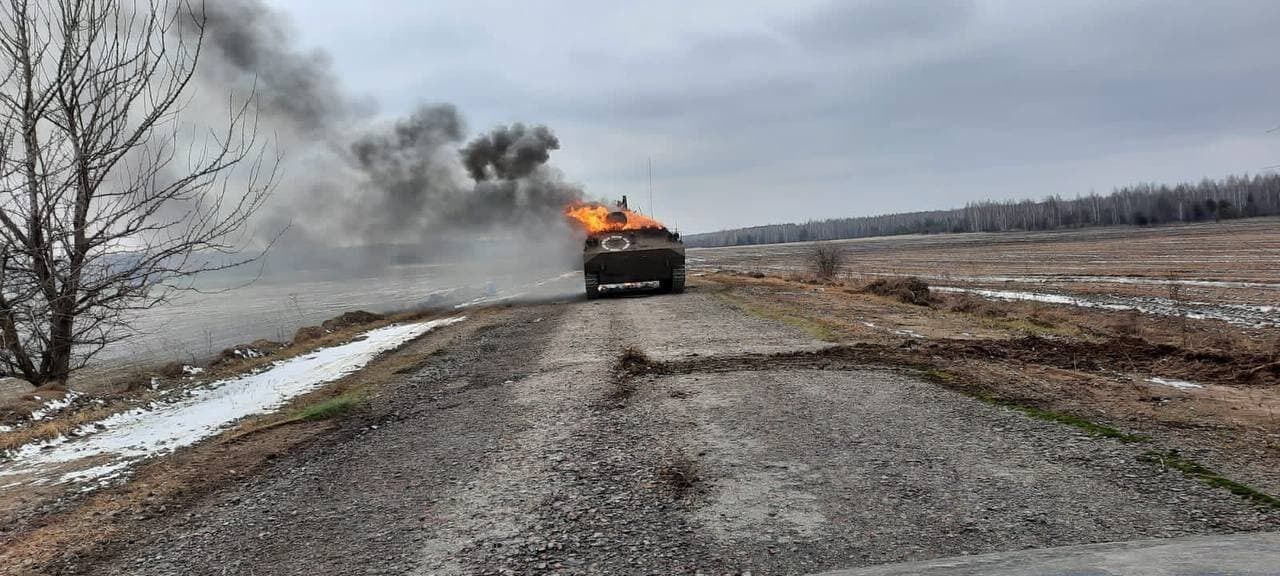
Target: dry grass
(820, 329)
(975, 305)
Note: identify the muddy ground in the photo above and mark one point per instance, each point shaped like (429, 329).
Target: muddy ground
(734, 440)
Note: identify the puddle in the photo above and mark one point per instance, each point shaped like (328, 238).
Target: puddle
(1237, 314)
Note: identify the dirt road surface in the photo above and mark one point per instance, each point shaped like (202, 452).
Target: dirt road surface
(521, 451)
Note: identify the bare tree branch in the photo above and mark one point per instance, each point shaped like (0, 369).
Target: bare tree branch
(97, 217)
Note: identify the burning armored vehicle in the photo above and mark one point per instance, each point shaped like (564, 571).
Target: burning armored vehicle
(627, 251)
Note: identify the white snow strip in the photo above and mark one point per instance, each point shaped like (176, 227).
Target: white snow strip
(4, 428)
(53, 407)
(103, 472)
(1179, 384)
(1033, 296)
(162, 428)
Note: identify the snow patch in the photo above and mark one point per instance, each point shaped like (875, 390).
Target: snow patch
(191, 370)
(162, 428)
(1173, 383)
(103, 472)
(53, 407)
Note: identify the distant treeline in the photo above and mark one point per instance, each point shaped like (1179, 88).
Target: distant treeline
(1140, 205)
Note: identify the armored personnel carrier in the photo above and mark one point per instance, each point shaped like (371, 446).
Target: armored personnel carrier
(632, 252)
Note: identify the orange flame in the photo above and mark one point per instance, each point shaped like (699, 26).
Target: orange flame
(594, 218)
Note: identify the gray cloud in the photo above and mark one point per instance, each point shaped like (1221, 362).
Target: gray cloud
(880, 25)
(758, 111)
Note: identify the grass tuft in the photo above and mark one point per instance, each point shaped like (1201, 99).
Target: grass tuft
(328, 409)
(1172, 459)
(1031, 325)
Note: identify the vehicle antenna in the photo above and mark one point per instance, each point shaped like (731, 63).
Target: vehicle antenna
(652, 214)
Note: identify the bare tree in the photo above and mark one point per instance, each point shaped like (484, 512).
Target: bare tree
(826, 260)
(108, 201)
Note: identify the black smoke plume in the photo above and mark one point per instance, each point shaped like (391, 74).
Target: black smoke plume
(509, 152)
(253, 50)
(354, 180)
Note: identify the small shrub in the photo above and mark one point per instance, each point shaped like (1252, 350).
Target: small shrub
(826, 260)
(910, 290)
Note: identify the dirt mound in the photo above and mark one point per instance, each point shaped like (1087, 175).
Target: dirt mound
(1116, 355)
(353, 318)
(910, 290)
(633, 361)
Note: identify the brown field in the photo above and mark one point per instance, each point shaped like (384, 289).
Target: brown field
(1223, 263)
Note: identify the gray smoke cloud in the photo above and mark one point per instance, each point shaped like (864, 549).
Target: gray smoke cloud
(408, 169)
(509, 152)
(252, 49)
(350, 179)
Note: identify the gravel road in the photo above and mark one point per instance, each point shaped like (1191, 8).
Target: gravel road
(517, 451)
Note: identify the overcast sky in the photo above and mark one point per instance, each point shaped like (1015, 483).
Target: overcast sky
(760, 112)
